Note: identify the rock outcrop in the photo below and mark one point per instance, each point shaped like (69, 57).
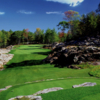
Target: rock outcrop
(4, 58)
(65, 54)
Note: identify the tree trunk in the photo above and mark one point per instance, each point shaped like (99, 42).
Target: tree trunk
(72, 27)
(19, 42)
(27, 41)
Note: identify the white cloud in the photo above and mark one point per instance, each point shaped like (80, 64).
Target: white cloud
(24, 12)
(2, 13)
(54, 12)
(72, 3)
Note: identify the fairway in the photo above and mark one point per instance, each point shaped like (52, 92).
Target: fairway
(31, 88)
(27, 66)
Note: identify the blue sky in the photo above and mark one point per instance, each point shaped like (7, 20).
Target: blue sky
(32, 14)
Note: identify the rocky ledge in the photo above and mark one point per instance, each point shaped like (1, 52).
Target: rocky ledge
(66, 54)
(4, 58)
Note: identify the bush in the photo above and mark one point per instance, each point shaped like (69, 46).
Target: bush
(95, 71)
(85, 65)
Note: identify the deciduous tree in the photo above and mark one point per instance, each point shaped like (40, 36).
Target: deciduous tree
(71, 16)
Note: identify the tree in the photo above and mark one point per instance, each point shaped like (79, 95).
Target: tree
(18, 35)
(48, 37)
(39, 35)
(54, 35)
(88, 23)
(98, 10)
(25, 34)
(1, 38)
(10, 31)
(31, 37)
(69, 35)
(62, 36)
(64, 24)
(71, 16)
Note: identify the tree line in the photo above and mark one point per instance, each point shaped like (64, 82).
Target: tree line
(78, 26)
(25, 37)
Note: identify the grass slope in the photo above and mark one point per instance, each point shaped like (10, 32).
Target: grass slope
(27, 66)
(29, 89)
(74, 94)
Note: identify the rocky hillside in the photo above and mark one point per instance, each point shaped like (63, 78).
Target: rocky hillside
(85, 49)
(4, 58)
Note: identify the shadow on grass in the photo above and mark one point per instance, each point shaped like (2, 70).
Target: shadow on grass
(25, 63)
(62, 61)
(42, 53)
(34, 46)
(29, 49)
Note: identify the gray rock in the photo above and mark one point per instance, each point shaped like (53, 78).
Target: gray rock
(30, 97)
(75, 59)
(84, 85)
(48, 90)
(34, 97)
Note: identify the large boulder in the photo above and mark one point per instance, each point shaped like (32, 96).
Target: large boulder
(73, 55)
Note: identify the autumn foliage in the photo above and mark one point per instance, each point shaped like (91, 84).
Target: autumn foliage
(61, 35)
(26, 32)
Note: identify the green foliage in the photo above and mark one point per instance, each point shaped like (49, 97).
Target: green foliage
(72, 16)
(51, 36)
(64, 24)
(39, 35)
(55, 37)
(95, 71)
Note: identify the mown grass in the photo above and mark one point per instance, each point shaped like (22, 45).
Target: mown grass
(29, 89)
(73, 94)
(27, 66)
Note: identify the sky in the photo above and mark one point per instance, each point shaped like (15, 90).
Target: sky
(43, 14)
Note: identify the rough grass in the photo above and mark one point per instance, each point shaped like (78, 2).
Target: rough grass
(95, 71)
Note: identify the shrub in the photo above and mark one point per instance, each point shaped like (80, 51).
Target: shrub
(95, 71)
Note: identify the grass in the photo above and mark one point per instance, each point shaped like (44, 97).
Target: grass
(82, 93)
(29, 89)
(27, 66)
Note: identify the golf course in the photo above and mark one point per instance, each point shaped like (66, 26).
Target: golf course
(27, 74)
